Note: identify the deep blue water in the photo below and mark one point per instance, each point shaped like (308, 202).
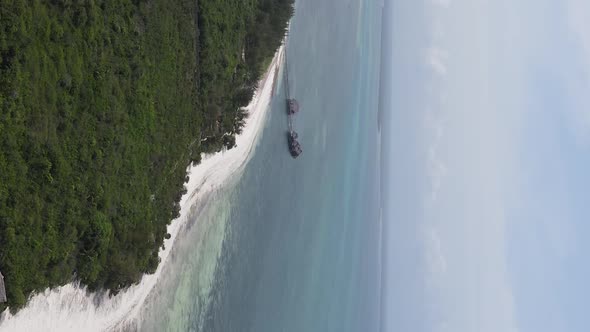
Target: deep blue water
(294, 245)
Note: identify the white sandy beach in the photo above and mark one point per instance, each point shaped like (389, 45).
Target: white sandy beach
(72, 308)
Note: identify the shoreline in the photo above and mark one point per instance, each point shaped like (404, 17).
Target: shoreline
(72, 308)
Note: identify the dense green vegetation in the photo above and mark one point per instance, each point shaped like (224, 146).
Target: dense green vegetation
(102, 106)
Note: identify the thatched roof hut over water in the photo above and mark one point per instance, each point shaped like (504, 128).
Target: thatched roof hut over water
(292, 106)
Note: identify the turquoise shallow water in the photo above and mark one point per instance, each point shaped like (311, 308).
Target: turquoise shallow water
(293, 245)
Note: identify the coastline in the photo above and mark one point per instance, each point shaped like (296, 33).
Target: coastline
(72, 308)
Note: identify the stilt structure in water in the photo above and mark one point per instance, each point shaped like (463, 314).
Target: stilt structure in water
(292, 109)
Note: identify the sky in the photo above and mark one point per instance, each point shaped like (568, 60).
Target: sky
(486, 152)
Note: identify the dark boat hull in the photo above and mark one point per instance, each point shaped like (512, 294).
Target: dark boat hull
(294, 146)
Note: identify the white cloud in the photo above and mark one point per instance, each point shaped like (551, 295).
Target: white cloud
(436, 262)
(436, 59)
(437, 170)
(438, 31)
(442, 3)
(468, 154)
(579, 26)
(469, 103)
(579, 21)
